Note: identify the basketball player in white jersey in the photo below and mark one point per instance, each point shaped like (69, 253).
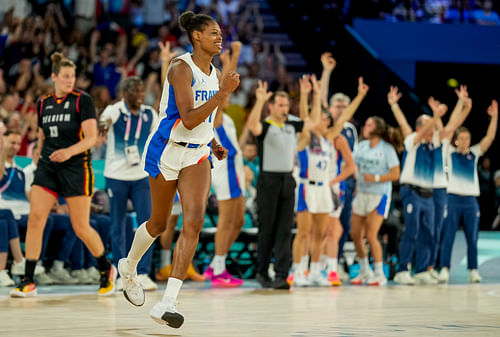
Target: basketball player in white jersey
(176, 159)
(316, 151)
(341, 168)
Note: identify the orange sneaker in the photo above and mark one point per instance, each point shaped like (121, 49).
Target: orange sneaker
(334, 279)
(24, 289)
(194, 275)
(164, 273)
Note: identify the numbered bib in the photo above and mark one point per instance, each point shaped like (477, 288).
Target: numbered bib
(132, 155)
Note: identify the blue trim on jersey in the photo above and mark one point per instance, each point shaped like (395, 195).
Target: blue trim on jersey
(194, 81)
(303, 162)
(424, 163)
(342, 191)
(153, 155)
(167, 123)
(382, 206)
(301, 203)
(463, 166)
(226, 142)
(350, 138)
(234, 186)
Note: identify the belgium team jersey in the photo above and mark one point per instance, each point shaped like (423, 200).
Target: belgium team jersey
(61, 119)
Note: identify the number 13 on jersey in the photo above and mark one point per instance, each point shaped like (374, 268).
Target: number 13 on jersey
(54, 132)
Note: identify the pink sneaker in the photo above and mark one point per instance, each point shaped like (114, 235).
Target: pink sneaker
(208, 274)
(226, 280)
(334, 279)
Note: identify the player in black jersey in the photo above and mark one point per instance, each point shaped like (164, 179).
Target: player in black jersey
(67, 129)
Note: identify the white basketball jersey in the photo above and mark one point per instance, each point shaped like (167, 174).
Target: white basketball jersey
(204, 87)
(316, 159)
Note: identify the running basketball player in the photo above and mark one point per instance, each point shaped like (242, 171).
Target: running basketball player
(177, 158)
(67, 129)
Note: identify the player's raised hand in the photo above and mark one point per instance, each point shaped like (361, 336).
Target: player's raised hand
(165, 53)
(493, 109)
(305, 85)
(393, 96)
(328, 61)
(362, 87)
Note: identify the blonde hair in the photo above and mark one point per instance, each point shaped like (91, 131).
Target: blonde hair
(59, 61)
(340, 97)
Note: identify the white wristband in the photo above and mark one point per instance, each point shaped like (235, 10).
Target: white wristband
(377, 177)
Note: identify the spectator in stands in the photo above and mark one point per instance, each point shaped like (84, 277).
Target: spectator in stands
(486, 15)
(14, 200)
(128, 124)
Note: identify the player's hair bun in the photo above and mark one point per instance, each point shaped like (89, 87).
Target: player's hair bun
(185, 19)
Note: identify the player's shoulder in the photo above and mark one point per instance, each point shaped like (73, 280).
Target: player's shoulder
(80, 93)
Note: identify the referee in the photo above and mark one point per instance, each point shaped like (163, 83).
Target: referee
(277, 144)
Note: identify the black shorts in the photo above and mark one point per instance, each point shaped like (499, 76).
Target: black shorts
(69, 179)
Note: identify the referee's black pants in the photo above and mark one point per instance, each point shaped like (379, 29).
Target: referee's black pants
(275, 203)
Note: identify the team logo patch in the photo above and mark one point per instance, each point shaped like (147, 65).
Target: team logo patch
(49, 107)
(125, 118)
(66, 105)
(145, 118)
(469, 157)
(409, 208)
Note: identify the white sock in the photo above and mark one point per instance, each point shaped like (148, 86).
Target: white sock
(331, 264)
(172, 290)
(315, 269)
(304, 262)
(323, 259)
(219, 264)
(142, 241)
(364, 265)
(58, 265)
(378, 268)
(165, 258)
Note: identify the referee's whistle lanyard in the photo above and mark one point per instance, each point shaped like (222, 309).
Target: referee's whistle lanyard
(126, 136)
(9, 181)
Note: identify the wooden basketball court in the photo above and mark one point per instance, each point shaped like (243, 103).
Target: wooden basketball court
(448, 310)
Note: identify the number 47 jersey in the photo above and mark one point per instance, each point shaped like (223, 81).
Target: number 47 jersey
(316, 160)
(204, 87)
(61, 120)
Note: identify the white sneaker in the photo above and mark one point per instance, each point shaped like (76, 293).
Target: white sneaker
(132, 289)
(5, 280)
(300, 279)
(343, 275)
(444, 275)
(44, 279)
(424, 278)
(434, 274)
(377, 280)
(62, 276)
(319, 280)
(119, 284)
(362, 278)
(94, 274)
(146, 283)
(18, 268)
(81, 276)
(404, 278)
(166, 313)
(474, 276)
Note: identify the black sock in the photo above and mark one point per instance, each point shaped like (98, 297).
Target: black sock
(103, 263)
(29, 270)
